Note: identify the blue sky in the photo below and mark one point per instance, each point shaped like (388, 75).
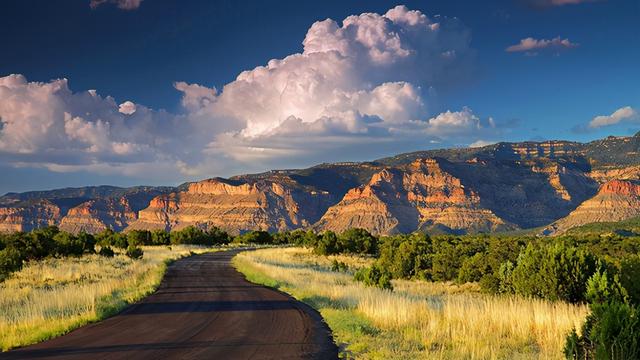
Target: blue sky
(487, 94)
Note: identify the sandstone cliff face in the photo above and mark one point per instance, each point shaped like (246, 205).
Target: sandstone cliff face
(381, 206)
(421, 197)
(72, 211)
(95, 216)
(615, 201)
(29, 216)
(236, 206)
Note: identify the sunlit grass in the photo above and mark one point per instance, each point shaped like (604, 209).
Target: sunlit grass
(51, 297)
(418, 319)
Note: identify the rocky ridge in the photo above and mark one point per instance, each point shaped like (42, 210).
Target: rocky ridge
(558, 184)
(420, 197)
(616, 200)
(236, 206)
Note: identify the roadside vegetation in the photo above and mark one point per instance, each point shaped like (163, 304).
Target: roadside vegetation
(50, 297)
(52, 282)
(418, 319)
(585, 271)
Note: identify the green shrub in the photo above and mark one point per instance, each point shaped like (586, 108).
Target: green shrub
(308, 239)
(254, 237)
(406, 256)
(447, 259)
(374, 276)
(553, 272)
(88, 242)
(630, 277)
(474, 268)
(160, 237)
(504, 277)
(110, 238)
(602, 288)
(10, 260)
(611, 332)
(139, 237)
(357, 241)
(218, 236)
(106, 251)
(327, 244)
(490, 283)
(68, 244)
(134, 252)
(34, 245)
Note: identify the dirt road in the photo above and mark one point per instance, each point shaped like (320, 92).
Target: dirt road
(204, 309)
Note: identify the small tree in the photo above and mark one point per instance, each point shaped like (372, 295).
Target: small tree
(218, 236)
(160, 237)
(374, 276)
(357, 241)
(139, 237)
(629, 277)
(327, 244)
(611, 331)
(68, 244)
(88, 242)
(254, 237)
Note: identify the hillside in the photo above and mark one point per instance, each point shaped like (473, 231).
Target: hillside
(500, 187)
(615, 201)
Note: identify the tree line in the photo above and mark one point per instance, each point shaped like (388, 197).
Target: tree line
(18, 248)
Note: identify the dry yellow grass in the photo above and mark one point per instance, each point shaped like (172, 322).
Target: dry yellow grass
(419, 319)
(50, 297)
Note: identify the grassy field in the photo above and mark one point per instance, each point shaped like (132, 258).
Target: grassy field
(418, 319)
(51, 297)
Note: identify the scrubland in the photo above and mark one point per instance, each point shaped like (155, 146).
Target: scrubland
(418, 319)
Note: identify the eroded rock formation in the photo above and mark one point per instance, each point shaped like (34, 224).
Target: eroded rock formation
(615, 201)
(236, 206)
(421, 197)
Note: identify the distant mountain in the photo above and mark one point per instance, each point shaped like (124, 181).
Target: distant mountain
(90, 209)
(502, 187)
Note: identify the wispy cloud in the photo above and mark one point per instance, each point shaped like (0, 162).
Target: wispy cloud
(121, 4)
(552, 3)
(532, 46)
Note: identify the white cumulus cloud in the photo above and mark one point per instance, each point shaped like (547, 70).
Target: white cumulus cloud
(626, 113)
(361, 88)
